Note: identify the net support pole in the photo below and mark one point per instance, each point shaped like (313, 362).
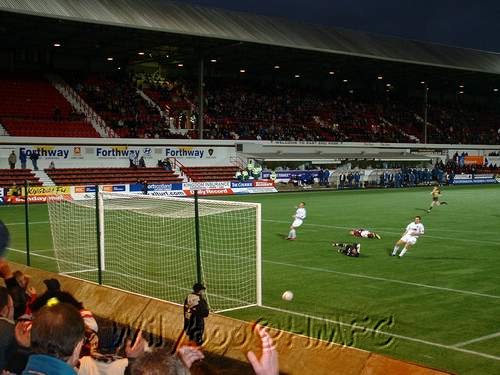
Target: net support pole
(99, 222)
(26, 222)
(426, 110)
(197, 238)
(259, 257)
(201, 97)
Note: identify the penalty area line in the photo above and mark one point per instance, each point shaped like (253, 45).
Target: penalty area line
(482, 338)
(399, 233)
(395, 335)
(382, 279)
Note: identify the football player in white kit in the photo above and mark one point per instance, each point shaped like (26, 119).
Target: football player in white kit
(410, 236)
(299, 217)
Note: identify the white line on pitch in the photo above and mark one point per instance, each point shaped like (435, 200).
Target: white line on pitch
(482, 338)
(390, 232)
(474, 232)
(395, 335)
(81, 271)
(128, 276)
(383, 279)
(31, 222)
(402, 337)
(47, 257)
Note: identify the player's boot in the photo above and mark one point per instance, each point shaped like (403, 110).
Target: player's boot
(377, 236)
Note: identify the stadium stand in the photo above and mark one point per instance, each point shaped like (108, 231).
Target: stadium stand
(198, 174)
(236, 110)
(9, 177)
(31, 106)
(78, 176)
(117, 101)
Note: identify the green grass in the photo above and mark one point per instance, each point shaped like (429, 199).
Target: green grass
(422, 308)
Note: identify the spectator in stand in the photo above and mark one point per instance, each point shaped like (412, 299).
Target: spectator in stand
(52, 165)
(12, 160)
(257, 171)
(238, 175)
(142, 162)
(34, 159)
(57, 337)
(167, 164)
(7, 338)
(103, 357)
(23, 158)
(244, 175)
(161, 361)
(131, 159)
(273, 176)
(195, 312)
(57, 115)
(15, 190)
(21, 294)
(54, 292)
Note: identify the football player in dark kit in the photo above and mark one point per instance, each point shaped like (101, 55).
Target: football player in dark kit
(349, 249)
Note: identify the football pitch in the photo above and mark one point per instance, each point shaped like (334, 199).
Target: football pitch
(439, 305)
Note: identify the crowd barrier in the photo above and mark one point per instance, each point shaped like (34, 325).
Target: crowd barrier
(40, 194)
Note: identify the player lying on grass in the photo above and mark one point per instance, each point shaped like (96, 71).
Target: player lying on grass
(436, 193)
(349, 249)
(365, 233)
(410, 236)
(298, 219)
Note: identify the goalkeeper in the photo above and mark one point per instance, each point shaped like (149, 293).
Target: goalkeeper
(349, 249)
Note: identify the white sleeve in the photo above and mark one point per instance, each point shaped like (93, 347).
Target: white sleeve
(300, 214)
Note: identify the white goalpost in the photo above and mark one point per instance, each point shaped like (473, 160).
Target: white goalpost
(148, 245)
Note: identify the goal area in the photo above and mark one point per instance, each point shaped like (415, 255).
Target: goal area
(160, 246)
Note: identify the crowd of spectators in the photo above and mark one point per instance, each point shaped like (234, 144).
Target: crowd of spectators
(123, 109)
(53, 333)
(276, 111)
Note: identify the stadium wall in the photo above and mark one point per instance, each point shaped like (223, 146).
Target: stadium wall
(80, 153)
(226, 336)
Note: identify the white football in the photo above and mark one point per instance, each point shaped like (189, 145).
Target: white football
(287, 296)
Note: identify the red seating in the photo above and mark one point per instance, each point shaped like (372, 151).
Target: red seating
(47, 128)
(9, 177)
(31, 106)
(79, 176)
(198, 174)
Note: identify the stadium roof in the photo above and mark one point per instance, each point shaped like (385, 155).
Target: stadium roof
(188, 20)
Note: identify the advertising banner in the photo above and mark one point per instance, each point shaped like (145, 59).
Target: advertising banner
(206, 185)
(201, 192)
(286, 176)
(36, 194)
(49, 152)
(467, 179)
(185, 152)
(11, 199)
(474, 160)
(156, 187)
(48, 190)
(263, 183)
(123, 152)
(243, 184)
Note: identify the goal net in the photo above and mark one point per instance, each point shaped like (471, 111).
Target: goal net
(147, 245)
